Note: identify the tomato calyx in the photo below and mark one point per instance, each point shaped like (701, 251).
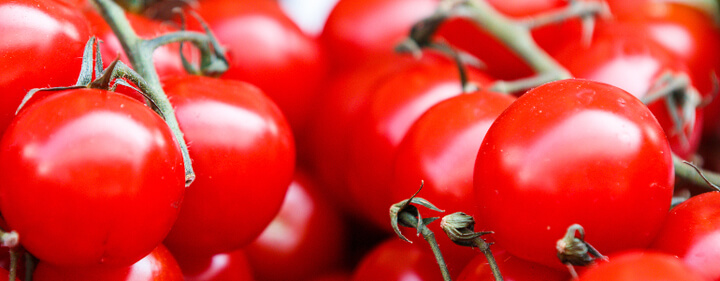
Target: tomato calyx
(405, 214)
(574, 251)
(460, 228)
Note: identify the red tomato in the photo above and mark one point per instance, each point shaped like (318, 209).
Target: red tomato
(573, 151)
(360, 30)
(634, 62)
(158, 265)
(512, 269)
(440, 148)
(268, 50)
(692, 232)
(232, 266)
(306, 238)
(244, 158)
(397, 260)
(90, 177)
(394, 106)
(339, 105)
(641, 266)
(166, 59)
(42, 46)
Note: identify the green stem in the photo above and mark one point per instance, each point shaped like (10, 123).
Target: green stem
(485, 249)
(429, 236)
(13, 264)
(140, 56)
(688, 172)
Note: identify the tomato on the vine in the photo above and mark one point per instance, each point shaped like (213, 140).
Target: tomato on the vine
(567, 152)
(512, 269)
(220, 267)
(90, 177)
(637, 265)
(244, 158)
(40, 40)
(398, 260)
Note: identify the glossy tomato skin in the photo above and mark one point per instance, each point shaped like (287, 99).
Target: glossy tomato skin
(267, 49)
(634, 62)
(159, 265)
(637, 265)
(231, 266)
(306, 237)
(42, 46)
(512, 269)
(360, 30)
(82, 171)
(166, 59)
(692, 233)
(573, 151)
(394, 106)
(440, 148)
(397, 260)
(243, 155)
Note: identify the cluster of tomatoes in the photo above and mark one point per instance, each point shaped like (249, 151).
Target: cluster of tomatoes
(301, 146)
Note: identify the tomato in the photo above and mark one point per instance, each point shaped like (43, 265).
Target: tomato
(640, 266)
(573, 151)
(306, 238)
(158, 265)
(634, 63)
(219, 267)
(360, 30)
(90, 177)
(397, 260)
(268, 50)
(244, 157)
(42, 46)
(440, 148)
(325, 149)
(166, 59)
(692, 233)
(394, 106)
(512, 269)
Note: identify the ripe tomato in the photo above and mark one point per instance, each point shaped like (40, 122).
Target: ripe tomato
(394, 106)
(360, 30)
(166, 59)
(634, 63)
(640, 266)
(158, 265)
(692, 233)
(268, 50)
(90, 177)
(440, 148)
(397, 260)
(573, 151)
(306, 238)
(42, 46)
(244, 158)
(512, 269)
(219, 267)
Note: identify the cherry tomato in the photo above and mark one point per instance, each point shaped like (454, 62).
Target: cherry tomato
(219, 267)
(397, 260)
(166, 59)
(42, 46)
(692, 233)
(512, 269)
(573, 151)
(266, 49)
(638, 265)
(306, 238)
(158, 265)
(90, 177)
(360, 30)
(634, 63)
(394, 106)
(243, 155)
(440, 148)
